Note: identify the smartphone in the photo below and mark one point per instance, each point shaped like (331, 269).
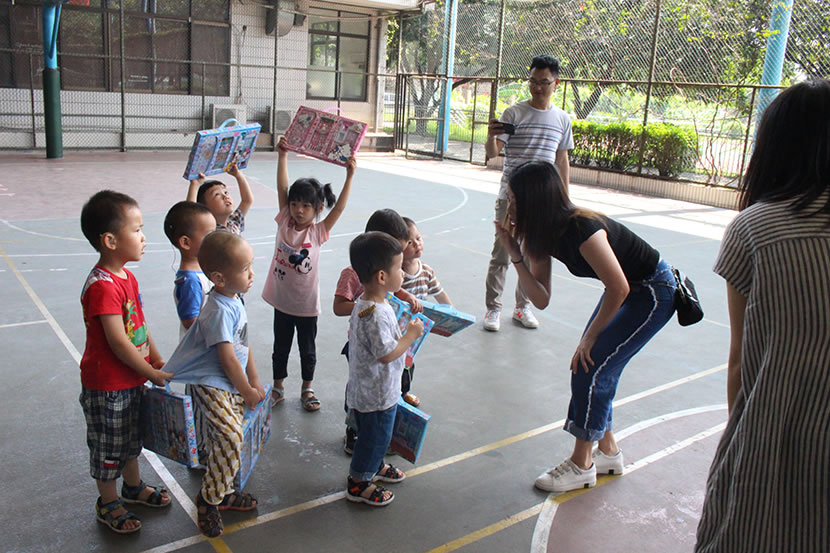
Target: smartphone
(509, 128)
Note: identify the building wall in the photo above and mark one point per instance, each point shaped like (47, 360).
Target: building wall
(93, 119)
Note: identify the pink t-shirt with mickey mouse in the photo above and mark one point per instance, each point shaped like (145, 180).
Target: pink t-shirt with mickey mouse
(293, 281)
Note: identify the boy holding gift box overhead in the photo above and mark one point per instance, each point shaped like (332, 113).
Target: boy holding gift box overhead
(215, 357)
(376, 358)
(119, 357)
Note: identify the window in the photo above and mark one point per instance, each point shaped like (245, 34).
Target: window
(338, 48)
(170, 46)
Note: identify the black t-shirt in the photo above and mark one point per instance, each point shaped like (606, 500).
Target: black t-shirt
(637, 259)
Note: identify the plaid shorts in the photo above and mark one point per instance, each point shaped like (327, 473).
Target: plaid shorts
(112, 429)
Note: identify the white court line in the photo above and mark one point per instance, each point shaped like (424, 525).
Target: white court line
(169, 482)
(27, 323)
(541, 532)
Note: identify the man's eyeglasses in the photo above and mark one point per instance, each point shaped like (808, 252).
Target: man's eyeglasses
(540, 83)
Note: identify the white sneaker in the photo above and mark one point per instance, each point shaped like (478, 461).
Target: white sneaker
(526, 317)
(567, 476)
(492, 320)
(608, 464)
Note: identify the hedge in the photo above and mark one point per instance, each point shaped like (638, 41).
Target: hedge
(668, 148)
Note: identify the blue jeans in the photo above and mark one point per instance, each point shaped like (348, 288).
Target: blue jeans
(374, 432)
(648, 307)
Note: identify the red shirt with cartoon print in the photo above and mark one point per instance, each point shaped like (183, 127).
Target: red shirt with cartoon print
(108, 294)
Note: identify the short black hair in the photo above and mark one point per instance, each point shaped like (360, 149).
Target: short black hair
(179, 221)
(102, 213)
(371, 252)
(216, 252)
(545, 61)
(207, 185)
(390, 222)
(409, 222)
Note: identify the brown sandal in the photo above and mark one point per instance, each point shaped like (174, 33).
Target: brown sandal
(238, 501)
(208, 518)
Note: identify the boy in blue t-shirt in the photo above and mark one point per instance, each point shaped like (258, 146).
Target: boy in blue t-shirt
(186, 225)
(214, 356)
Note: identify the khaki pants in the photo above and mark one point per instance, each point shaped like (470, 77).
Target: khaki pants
(499, 261)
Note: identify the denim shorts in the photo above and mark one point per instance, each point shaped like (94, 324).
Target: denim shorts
(374, 432)
(648, 307)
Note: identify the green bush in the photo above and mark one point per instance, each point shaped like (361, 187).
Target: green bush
(668, 148)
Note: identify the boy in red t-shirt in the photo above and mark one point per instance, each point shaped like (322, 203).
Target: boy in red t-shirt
(119, 357)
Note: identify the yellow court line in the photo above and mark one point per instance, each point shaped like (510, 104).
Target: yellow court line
(170, 483)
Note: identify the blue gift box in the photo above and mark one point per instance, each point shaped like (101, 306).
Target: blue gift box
(168, 429)
(409, 432)
(214, 150)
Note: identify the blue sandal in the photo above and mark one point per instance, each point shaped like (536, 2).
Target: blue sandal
(103, 514)
(130, 494)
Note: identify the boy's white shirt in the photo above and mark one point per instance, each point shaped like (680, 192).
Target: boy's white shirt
(373, 333)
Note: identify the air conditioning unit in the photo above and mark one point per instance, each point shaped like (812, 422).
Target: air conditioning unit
(282, 21)
(219, 113)
(282, 120)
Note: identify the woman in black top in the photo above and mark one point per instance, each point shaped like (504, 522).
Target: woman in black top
(637, 302)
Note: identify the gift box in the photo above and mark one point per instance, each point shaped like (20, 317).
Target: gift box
(404, 315)
(256, 429)
(324, 135)
(168, 429)
(409, 432)
(214, 150)
(448, 320)
(167, 425)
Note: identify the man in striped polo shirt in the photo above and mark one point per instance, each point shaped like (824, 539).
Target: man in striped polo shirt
(532, 129)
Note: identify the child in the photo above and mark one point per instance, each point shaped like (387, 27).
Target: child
(376, 360)
(119, 356)
(419, 278)
(216, 358)
(349, 289)
(186, 225)
(213, 194)
(292, 286)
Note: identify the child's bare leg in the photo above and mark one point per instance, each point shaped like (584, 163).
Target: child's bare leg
(108, 491)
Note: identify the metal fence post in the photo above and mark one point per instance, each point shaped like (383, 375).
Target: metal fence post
(274, 141)
(123, 79)
(32, 99)
(648, 87)
(746, 136)
(204, 115)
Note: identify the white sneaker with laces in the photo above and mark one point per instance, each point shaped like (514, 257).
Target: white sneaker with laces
(492, 321)
(566, 477)
(608, 464)
(526, 317)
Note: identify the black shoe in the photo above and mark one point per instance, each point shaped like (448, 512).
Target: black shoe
(348, 441)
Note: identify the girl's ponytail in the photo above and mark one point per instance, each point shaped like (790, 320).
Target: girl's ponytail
(328, 195)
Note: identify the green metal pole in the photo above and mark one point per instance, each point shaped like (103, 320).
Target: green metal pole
(52, 81)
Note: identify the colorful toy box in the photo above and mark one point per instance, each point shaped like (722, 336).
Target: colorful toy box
(167, 425)
(409, 432)
(447, 319)
(404, 315)
(325, 135)
(215, 149)
(168, 429)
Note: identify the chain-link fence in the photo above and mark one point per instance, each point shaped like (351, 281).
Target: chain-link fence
(690, 64)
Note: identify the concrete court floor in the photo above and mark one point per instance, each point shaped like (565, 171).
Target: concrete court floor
(496, 399)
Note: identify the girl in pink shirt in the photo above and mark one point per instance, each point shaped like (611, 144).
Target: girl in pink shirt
(292, 286)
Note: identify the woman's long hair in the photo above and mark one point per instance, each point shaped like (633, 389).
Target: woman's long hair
(791, 159)
(543, 207)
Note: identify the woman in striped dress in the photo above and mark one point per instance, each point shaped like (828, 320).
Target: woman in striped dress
(769, 484)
